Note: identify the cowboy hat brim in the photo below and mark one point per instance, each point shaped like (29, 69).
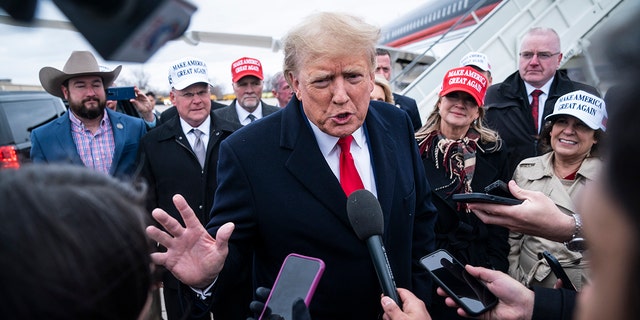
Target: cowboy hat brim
(52, 78)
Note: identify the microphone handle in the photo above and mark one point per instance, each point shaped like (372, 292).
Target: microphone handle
(383, 269)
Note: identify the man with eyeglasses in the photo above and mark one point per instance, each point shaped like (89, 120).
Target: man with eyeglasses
(511, 105)
(247, 77)
(180, 156)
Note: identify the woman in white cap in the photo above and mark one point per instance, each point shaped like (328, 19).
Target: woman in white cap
(461, 155)
(571, 138)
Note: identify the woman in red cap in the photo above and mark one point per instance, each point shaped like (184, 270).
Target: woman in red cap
(461, 155)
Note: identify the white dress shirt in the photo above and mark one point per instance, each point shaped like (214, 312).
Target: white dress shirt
(359, 150)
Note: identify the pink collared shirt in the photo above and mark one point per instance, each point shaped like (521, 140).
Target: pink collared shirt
(95, 150)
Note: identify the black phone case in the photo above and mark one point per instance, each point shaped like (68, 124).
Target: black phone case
(450, 292)
(498, 188)
(557, 269)
(484, 198)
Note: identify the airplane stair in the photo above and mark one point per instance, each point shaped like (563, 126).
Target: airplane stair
(498, 36)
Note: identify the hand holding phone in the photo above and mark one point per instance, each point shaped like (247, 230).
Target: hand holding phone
(558, 271)
(121, 93)
(297, 279)
(468, 292)
(497, 192)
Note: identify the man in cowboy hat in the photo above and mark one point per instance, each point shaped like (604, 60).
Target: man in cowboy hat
(91, 134)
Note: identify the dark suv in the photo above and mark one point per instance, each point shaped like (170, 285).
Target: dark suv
(21, 112)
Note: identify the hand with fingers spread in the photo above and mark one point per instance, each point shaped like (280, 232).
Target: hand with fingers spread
(538, 215)
(515, 301)
(193, 256)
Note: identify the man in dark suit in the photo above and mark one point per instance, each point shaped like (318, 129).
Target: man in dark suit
(247, 77)
(509, 104)
(383, 59)
(280, 186)
(170, 164)
(90, 134)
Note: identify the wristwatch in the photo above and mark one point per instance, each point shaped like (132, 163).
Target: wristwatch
(577, 242)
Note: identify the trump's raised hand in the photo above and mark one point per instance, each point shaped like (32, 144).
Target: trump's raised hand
(193, 255)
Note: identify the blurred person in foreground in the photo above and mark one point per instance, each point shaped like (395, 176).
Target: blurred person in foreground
(281, 89)
(572, 137)
(461, 155)
(90, 134)
(608, 207)
(280, 187)
(72, 245)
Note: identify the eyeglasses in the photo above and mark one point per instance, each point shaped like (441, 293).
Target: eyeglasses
(546, 55)
(190, 95)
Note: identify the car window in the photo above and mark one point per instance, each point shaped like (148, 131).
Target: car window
(26, 115)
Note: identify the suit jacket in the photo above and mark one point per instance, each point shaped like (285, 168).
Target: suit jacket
(53, 143)
(411, 107)
(170, 166)
(277, 188)
(509, 112)
(229, 113)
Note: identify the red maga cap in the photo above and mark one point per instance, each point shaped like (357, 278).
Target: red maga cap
(246, 67)
(466, 79)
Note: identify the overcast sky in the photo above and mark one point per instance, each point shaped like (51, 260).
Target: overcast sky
(24, 51)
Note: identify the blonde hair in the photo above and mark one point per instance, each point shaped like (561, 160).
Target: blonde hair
(433, 124)
(328, 34)
(386, 87)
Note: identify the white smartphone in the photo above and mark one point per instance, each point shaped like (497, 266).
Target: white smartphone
(298, 278)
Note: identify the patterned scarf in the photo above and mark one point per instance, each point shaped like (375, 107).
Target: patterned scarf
(458, 157)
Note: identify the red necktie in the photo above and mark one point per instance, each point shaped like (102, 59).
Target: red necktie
(534, 107)
(349, 177)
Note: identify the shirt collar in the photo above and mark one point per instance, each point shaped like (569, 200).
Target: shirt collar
(242, 113)
(327, 143)
(545, 88)
(205, 126)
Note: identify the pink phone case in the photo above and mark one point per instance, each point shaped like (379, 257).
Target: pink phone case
(298, 278)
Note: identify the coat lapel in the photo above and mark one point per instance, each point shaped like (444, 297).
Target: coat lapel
(65, 139)
(306, 157)
(381, 148)
(119, 135)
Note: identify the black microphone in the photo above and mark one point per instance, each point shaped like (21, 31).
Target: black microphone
(366, 219)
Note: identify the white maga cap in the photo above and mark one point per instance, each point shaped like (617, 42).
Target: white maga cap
(477, 59)
(586, 107)
(187, 71)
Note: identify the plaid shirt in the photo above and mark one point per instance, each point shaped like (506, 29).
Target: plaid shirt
(95, 150)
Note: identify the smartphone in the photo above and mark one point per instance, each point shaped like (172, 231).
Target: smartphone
(298, 278)
(468, 292)
(499, 188)
(485, 198)
(558, 270)
(120, 93)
